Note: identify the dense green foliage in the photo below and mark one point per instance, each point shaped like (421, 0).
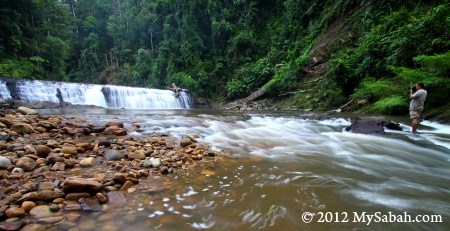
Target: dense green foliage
(229, 48)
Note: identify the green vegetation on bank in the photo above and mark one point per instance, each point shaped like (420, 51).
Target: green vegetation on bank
(306, 54)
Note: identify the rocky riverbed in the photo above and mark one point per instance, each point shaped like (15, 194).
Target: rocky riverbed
(54, 169)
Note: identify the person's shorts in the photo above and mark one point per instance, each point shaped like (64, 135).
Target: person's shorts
(414, 114)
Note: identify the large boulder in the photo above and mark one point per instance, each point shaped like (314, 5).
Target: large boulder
(26, 111)
(368, 126)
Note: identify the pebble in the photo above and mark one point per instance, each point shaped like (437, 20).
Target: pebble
(88, 162)
(41, 211)
(43, 151)
(15, 212)
(54, 207)
(72, 207)
(156, 162)
(4, 162)
(76, 196)
(116, 199)
(69, 150)
(28, 205)
(112, 154)
(46, 185)
(128, 184)
(101, 198)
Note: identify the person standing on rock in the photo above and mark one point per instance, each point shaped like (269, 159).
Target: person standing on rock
(416, 105)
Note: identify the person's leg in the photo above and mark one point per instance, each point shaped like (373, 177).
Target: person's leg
(415, 124)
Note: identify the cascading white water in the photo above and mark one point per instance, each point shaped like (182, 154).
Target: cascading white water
(108, 96)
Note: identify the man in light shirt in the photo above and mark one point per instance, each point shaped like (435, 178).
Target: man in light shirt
(416, 105)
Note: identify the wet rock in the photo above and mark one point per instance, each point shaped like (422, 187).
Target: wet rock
(116, 199)
(41, 211)
(3, 146)
(73, 184)
(4, 162)
(112, 154)
(120, 177)
(366, 127)
(88, 162)
(112, 123)
(369, 126)
(51, 220)
(54, 207)
(164, 170)
(136, 156)
(105, 143)
(90, 204)
(101, 198)
(72, 207)
(393, 126)
(28, 205)
(26, 111)
(6, 122)
(116, 131)
(77, 196)
(43, 151)
(22, 128)
(185, 142)
(10, 226)
(29, 166)
(69, 150)
(21, 161)
(29, 149)
(156, 162)
(70, 163)
(48, 195)
(58, 166)
(34, 227)
(47, 185)
(15, 212)
(128, 184)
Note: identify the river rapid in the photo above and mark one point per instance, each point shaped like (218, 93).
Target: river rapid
(286, 171)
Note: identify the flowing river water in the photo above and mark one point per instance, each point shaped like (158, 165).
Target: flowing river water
(283, 170)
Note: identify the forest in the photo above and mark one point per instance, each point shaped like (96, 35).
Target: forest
(316, 54)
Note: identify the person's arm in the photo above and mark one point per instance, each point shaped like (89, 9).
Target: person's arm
(415, 95)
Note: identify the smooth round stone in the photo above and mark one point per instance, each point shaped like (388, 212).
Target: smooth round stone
(112, 154)
(41, 211)
(15, 212)
(28, 205)
(54, 207)
(47, 185)
(73, 207)
(101, 198)
(43, 150)
(88, 162)
(4, 162)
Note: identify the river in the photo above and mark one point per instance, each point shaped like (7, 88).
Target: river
(285, 171)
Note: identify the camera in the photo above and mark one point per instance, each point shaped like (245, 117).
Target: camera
(414, 89)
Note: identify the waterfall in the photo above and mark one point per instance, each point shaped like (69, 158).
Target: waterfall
(108, 96)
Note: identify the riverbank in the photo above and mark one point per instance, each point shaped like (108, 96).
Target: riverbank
(441, 115)
(53, 168)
